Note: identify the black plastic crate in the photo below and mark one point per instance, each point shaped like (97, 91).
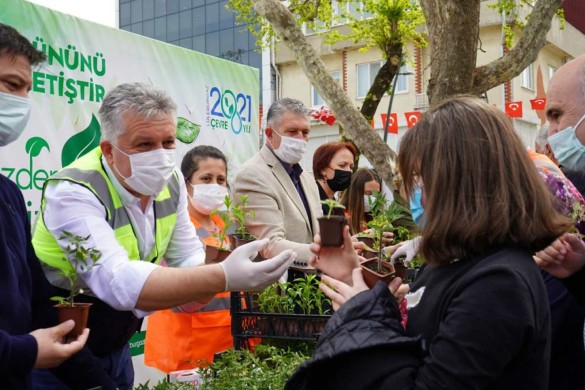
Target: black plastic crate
(249, 322)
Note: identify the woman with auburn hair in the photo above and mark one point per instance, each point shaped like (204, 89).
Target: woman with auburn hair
(356, 199)
(478, 316)
(332, 167)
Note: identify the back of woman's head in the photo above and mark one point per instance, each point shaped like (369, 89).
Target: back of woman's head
(480, 188)
(190, 163)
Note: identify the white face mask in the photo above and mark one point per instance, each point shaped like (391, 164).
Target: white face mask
(151, 171)
(208, 197)
(367, 200)
(291, 150)
(14, 114)
(567, 148)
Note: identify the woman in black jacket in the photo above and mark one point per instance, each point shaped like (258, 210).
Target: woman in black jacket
(478, 314)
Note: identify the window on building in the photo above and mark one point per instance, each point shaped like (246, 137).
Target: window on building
(316, 99)
(551, 71)
(366, 74)
(527, 78)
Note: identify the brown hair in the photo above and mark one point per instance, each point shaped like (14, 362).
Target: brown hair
(480, 188)
(353, 198)
(324, 154)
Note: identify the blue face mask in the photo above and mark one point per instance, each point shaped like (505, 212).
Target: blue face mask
(416, 206)
(567, 148)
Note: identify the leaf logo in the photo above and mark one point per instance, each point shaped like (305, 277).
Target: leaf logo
(82, 142)
(35, 145)
(187, 131)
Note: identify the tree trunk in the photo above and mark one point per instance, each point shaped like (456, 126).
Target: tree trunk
(382, 82)
(355, 125)
(453, 27)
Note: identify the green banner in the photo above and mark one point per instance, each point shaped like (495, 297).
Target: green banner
(217, 100)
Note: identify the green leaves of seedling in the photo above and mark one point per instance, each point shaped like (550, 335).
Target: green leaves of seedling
(187, 131)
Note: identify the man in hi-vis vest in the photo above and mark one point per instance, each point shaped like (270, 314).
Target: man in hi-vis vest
(127, 196)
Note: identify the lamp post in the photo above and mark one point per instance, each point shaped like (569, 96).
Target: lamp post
(394, 82)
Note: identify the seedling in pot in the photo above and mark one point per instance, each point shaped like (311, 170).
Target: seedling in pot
(331, 226)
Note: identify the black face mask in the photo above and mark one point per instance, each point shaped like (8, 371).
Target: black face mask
(340, 180)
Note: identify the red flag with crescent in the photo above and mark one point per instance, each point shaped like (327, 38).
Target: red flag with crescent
(393, 125)
(412, 118)
(514, 109)
(538, 103)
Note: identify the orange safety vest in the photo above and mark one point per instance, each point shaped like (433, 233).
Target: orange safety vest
(181, 341)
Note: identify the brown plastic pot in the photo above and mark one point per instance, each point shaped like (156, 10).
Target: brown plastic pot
(400, 268)
(367, 254)
(237, 240)
(372, 276)
(369, 241)
(331, 230)
(215, 255)
(78, 313)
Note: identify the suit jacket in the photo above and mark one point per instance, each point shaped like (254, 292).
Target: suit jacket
(279, 211)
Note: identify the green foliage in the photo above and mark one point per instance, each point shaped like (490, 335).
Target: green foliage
(332, 204)
(164, 385)
(375, 23)
(286, 298)
(82, 259)
(512, 10)
(267, 369)
(187, 131)
(220, 234)
(239, 213)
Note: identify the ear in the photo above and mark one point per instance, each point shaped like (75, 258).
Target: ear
(106, 148)
(268, 131)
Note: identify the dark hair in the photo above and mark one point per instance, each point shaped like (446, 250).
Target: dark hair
(324, 154)
(481, 189)
(190, 163)
(353, 198)
(12, 43)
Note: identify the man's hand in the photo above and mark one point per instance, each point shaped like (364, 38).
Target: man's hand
(562, 258)
(335, 262)
(242, 274)
(52, 351)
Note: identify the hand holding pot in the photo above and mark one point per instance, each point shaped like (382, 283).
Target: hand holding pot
(337, 262)
(242, 274)
(51, 349)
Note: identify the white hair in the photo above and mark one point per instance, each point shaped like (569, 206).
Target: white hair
(140, 99)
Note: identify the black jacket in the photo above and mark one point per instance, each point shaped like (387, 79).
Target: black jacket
(485, 322)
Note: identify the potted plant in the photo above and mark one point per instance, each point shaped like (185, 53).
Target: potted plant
(82, 259)
(218, 254)
(331, 226)
(238, 213)
(376, 268)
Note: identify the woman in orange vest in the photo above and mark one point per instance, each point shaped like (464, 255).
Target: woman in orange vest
(178, 340)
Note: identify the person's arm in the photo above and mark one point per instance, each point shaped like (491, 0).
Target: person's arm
(127, 285)
(268, 220)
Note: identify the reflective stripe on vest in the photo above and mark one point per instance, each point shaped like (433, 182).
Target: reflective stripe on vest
(89, 172)
(218, 302)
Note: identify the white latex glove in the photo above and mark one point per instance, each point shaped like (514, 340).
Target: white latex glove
(409, 249)
(242, 274)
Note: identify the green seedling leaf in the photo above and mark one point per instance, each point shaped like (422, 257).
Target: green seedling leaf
(82, 142)
(187, 131)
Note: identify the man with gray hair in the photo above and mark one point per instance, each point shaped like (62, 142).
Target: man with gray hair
(284, 198)
(128, 198)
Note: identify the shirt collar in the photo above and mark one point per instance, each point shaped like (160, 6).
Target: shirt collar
(295, 169)
(125, 195)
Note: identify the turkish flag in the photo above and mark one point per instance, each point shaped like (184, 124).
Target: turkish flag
(514, 109)
(412, 118)
(393, 125)
(538, 103)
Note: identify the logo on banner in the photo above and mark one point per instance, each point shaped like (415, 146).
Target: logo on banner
(229, 110)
